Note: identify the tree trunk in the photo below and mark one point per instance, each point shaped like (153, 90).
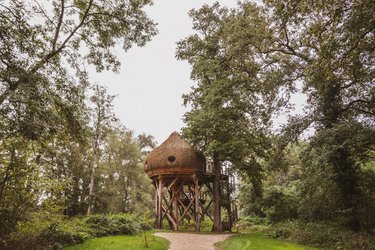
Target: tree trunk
(344, 167)
(91, 188)
(92, 174)
(217, 196)
(347, 182)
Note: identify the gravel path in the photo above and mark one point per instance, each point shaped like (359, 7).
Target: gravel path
(190, 241)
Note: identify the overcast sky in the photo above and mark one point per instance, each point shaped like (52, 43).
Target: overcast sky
(151, 82)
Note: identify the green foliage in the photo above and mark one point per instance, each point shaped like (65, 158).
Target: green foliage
(54, 232)
(55, 41)
(54, 174)
(47, 233)
(226, 119)
(253, 220)
(321, 235)
(279, 206)
(123, 242)
(127, 188)
(115, 224)
(247, 62)
(206, 225)
(46, 131)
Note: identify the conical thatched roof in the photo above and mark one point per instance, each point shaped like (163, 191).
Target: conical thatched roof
(174, 156)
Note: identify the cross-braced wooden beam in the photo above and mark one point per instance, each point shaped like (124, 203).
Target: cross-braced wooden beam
(177, 198)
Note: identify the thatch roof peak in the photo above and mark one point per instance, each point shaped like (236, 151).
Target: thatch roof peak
(175, 140)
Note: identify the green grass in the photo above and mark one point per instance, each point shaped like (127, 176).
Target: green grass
(135, 242)
(257, 241)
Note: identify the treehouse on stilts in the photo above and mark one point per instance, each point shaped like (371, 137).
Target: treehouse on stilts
(183, 185)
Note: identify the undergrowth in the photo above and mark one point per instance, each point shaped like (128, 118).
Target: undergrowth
(41, 232)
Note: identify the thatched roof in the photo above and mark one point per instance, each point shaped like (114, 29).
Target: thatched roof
(174, 156)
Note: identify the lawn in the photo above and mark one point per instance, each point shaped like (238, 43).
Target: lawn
(135, 242)
(257, 241)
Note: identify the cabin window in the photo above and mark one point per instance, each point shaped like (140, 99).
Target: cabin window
(171, 159)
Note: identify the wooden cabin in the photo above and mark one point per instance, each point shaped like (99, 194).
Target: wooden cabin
(178, 172)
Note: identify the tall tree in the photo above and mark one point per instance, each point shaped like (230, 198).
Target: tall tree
(332, 46)
(42, 44)
(227, 118)
(126, 187)
(103, 118)
(266, 53)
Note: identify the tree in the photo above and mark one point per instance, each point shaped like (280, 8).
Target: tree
(44, 43)
(332, 46)
(146, 142)
(322, 49)
(125, 186)
(36, 43)
(42, 104)
(103, 118)
(227, 119)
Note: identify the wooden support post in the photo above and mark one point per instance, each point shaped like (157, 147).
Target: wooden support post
(160, 204)
(175, 204)
(156, 184)
(196, 205)
(181, 200)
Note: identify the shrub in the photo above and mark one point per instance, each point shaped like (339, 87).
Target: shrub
(206, 225)
(254, 220)
(279, 206)
(321, 235)
(114, 224)
(56, 237)
(55, 232)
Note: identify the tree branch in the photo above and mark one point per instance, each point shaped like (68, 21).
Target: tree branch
(55, 52)
(10, 10)
(43, 12)
(351, 104)
(58, 27)
(109, 15)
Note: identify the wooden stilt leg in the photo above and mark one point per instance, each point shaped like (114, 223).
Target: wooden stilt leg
(196, 205)
(181, 200)
(160, 203)
(175, 204)
(156, 183)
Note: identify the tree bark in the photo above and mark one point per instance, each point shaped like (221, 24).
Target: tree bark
(91, 188)
(95, 161)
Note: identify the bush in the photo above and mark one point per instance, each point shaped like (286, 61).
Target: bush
(55, 237)
(114, 224)
(254, 220)
(321, 235)
(279, 206)
(55, 232)
(206, 225)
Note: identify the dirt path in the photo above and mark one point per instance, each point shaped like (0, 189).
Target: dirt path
(190, 241)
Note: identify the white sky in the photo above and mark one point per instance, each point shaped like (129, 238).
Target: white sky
(151, 81)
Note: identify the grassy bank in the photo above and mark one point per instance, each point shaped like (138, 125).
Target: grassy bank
(135, 242)
(319, 235)
(257, 240)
